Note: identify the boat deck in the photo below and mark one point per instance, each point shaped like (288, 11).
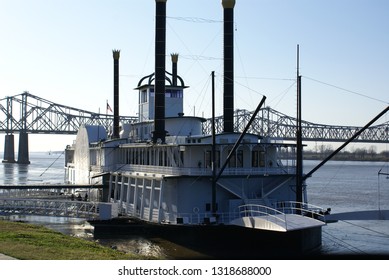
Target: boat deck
(278, 222)
(295, 222)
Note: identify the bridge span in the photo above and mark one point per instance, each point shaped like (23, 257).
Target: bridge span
(29, 114)
(26, 113)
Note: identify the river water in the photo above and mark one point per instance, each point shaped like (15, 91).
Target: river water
(340, 185)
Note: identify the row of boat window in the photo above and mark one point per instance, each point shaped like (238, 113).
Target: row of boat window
(169, 93)
(176, 158)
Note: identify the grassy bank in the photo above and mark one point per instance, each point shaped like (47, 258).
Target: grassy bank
(32, 242)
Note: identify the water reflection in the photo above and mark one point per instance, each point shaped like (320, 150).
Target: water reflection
(43, 168)
(14, 173)
(9, 169)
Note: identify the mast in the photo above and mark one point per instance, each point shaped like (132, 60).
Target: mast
(299, 156)
(213, 147)
(116, 125)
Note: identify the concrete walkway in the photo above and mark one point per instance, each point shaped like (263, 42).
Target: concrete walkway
(5, 257)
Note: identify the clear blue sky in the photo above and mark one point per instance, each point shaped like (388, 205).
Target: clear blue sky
(62, 51)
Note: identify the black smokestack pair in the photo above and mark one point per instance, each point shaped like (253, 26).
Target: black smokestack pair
(228, 49)
(159, 133)
(116, 128)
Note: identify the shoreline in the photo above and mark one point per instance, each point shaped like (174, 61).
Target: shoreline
(27, 241)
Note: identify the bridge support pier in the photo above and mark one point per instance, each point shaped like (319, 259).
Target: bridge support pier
(9, 149)
(23, 156)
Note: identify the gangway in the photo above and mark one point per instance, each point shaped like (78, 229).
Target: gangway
(46, 207)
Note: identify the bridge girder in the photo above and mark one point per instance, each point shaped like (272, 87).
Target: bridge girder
(32, 114)
(275, 125)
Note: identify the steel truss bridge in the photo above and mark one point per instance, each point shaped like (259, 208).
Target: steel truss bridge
(32, 114)
(278, 126)
(26, 113)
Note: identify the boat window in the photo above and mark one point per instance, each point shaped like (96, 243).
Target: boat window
(239, 158)
(182, 157)
(236, 159)
(254, 158)
(174, 93)
(262, 159)
(232, 161)
(258, 158)
(208, 159)
(143, 97)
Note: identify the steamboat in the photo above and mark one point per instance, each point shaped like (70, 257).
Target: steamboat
(238, 194)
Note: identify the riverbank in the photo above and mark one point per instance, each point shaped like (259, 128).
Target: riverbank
(31, 242)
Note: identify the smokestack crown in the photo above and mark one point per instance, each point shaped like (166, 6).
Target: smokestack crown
(174, 57)
(228, 4)
(116, 54)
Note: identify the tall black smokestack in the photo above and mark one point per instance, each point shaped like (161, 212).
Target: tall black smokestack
(116, 56)
(174, 68)
(159, 88)
(228, 45)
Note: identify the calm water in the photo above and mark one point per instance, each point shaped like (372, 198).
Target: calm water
(45, 168)
(352, 186)
(341, 186)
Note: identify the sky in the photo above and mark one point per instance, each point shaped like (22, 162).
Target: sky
(62, 51)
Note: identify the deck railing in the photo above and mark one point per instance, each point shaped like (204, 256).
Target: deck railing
(196, 171)
(65, 208)
(301, 208)
(275, 215)
(265, 212)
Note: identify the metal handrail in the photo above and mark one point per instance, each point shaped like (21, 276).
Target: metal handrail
(50, 207)
(301, 208)
(257, 210)
(277, 215)
(196, 171)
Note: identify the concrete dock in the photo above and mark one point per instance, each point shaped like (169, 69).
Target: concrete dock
(5, 257)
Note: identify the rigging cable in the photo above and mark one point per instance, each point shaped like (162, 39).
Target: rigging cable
(366, 228)
(344, 244)
(242, 65)
(347, 90)
(52, 164)
(282, 94)
(195, 19)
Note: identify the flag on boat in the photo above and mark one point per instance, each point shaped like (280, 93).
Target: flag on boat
(109, 108)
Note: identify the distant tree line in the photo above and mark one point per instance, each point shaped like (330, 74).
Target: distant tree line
(358, 154)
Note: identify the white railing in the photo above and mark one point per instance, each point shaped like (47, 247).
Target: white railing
(277, 216)
(301, 208)
(265, 212)
(65, 208)
(30, 193)
(196, 171)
